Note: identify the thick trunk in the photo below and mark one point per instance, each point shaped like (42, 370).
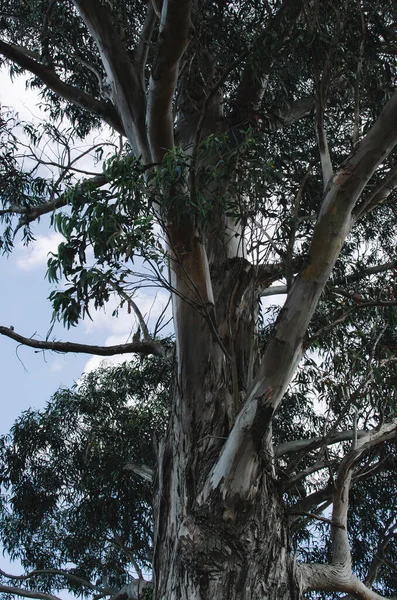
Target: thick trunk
(209, 553)
(211, 549)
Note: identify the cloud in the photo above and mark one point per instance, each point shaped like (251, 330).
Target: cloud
(56, 366)
(125, 324)
(36, 255)
(97, 361)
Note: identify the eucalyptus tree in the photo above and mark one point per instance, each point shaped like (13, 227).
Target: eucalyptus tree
(261, 137)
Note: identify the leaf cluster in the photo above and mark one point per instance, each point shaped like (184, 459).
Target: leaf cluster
(69, 496)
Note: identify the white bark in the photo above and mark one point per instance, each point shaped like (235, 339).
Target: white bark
(338, 575)
(127, 92)
(235, 471)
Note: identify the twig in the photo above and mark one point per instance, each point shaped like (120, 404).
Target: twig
(317, 517)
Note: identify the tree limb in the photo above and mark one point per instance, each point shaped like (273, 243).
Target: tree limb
(142, 470)
(356, 276)
(284, 350)
(380, 193)
(316, 442)
(338, 576)
(176, 31)
(69, 576)
(143, 348)
(8, 589)
(30, 214)
(74, 95)
(128, 94)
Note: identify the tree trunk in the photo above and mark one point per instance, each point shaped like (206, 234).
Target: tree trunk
(216, 547)
(211, 552)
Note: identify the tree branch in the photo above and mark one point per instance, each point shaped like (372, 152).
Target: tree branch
(74, 95)
(380, 193)
(30, 214)
(176, 30)
(69, 576)
(338, 576)
(142, 470)
(357, 276)
(235, 471)
(128, 93)
(143, 348)
(316, 442)
(8, 589)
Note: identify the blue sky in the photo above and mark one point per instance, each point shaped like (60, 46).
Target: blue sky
(29, 378)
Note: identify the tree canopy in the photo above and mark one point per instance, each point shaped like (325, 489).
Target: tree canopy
(243, 149)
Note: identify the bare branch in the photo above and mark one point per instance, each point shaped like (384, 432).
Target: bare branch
(144, 348)
(142, 470)
(8, 589)
(338, 576)
(74, 95)
(57, 572)
(357, 276)
(389, 534)
(359, 69)
(322, 82)
(128, 94)
(316, 517)
(315, 443)
(380, 193)
(176, 30)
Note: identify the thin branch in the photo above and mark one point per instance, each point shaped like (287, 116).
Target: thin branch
(338, 576)
(289, 267)
(8, 589)
(322, 83)
(30, 214)
(57, 572)
(357, 276)
(314, 516)
(135, 308)
(356, 132)
(50, 78)
(380, 193)
(389, 534)
(144, 348)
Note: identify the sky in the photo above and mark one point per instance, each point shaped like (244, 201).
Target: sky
(29, 377)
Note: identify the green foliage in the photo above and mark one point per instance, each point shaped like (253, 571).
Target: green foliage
(69, 497)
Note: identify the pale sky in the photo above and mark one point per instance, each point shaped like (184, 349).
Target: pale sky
(29, 378)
